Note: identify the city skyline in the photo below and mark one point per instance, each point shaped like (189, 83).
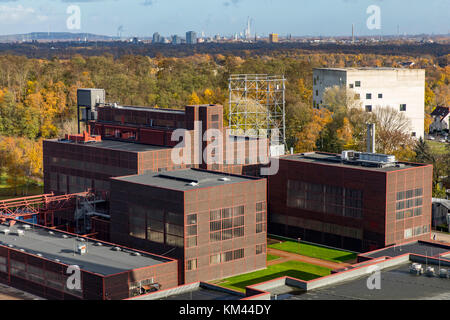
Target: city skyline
(142, 18)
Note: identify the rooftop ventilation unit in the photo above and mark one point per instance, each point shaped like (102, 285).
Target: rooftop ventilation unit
(430, 272)
(22, 250)
(51, 233)
(6, 231)
(20, 233)
(98, 244)
(193, 184)
(65, 236)
(11, 246)
(225, 179)
(416, 269)
(27, 227)
(136, 254)
(57, 260)
(117, 249)
(39, 255)
(443, 273)
(82, 249)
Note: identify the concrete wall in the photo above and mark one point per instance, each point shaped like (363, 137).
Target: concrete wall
(398, 86)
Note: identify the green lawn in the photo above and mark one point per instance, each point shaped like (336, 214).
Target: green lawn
(271, 257)
(314, 251)
(294, 269)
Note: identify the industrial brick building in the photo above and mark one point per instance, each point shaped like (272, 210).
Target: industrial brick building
(214, 224)
(136, 140)
(359, 204)
(36, 259)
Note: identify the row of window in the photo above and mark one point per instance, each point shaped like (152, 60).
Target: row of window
(370, 109)
(416, 212)
(409, 194)
(37, 275)
(226, 257)
(407, 204)
(415, 232)
(192, 264)
(325, 198)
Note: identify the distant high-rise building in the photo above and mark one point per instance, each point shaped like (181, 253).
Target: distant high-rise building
(273, 37)
(191, 37)
(156, 37)
(176, 39)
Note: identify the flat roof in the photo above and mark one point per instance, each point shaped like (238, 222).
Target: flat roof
(369, 69)
(202, 294)
(144, 108)
(200, 291)
(335, 160)
(421, 248)
(397, 283)
(115, 145)
(186, 180)
(102, 259)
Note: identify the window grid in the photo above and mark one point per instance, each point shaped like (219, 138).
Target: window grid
(409, 204)
(226, 224)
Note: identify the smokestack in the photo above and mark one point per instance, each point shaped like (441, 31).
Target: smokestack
(371, 147)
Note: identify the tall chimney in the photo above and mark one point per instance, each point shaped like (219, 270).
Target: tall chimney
(371, 147)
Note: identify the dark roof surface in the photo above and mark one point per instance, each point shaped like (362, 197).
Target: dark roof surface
(441, 112)
(335, 160)
(181, 180)
(422, 248)
(396, 284)
(203, 294)
(117, 145)
(99, 259)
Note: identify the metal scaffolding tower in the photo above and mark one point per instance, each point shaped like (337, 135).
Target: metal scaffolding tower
(257, 105)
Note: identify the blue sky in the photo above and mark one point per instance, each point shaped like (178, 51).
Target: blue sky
(226, 17)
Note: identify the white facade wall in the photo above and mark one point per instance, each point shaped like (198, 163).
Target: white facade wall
(396, 86)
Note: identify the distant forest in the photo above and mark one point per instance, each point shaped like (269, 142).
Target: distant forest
(66, 50)
(38, 85)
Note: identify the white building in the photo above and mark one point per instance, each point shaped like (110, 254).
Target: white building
(401, 89)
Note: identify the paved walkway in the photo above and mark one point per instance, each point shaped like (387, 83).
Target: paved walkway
(288, 256)
(442, 237)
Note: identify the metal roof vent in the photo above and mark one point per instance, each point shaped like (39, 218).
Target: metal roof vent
(443, 273)
(20, 233)
(22, 250)
(26, 227)
(81, 239)
(136, 254)
(39, 255)
(225, 179)
(11, 246)
(193, 184)
(117, 249)
(51, 233)
(57, 260)
(98, 244)
(430, 272)
(6, 231)
(65, 236)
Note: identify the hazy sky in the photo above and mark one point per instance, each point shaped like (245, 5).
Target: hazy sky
(226, 17)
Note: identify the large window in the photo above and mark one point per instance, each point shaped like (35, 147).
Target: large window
(333, 200)
(157, 225)
(261, 217)
(409, 204)
(191, 231)
(226, 224)
(226, 256)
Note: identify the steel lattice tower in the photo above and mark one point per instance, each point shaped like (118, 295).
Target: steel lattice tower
(257, 105)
